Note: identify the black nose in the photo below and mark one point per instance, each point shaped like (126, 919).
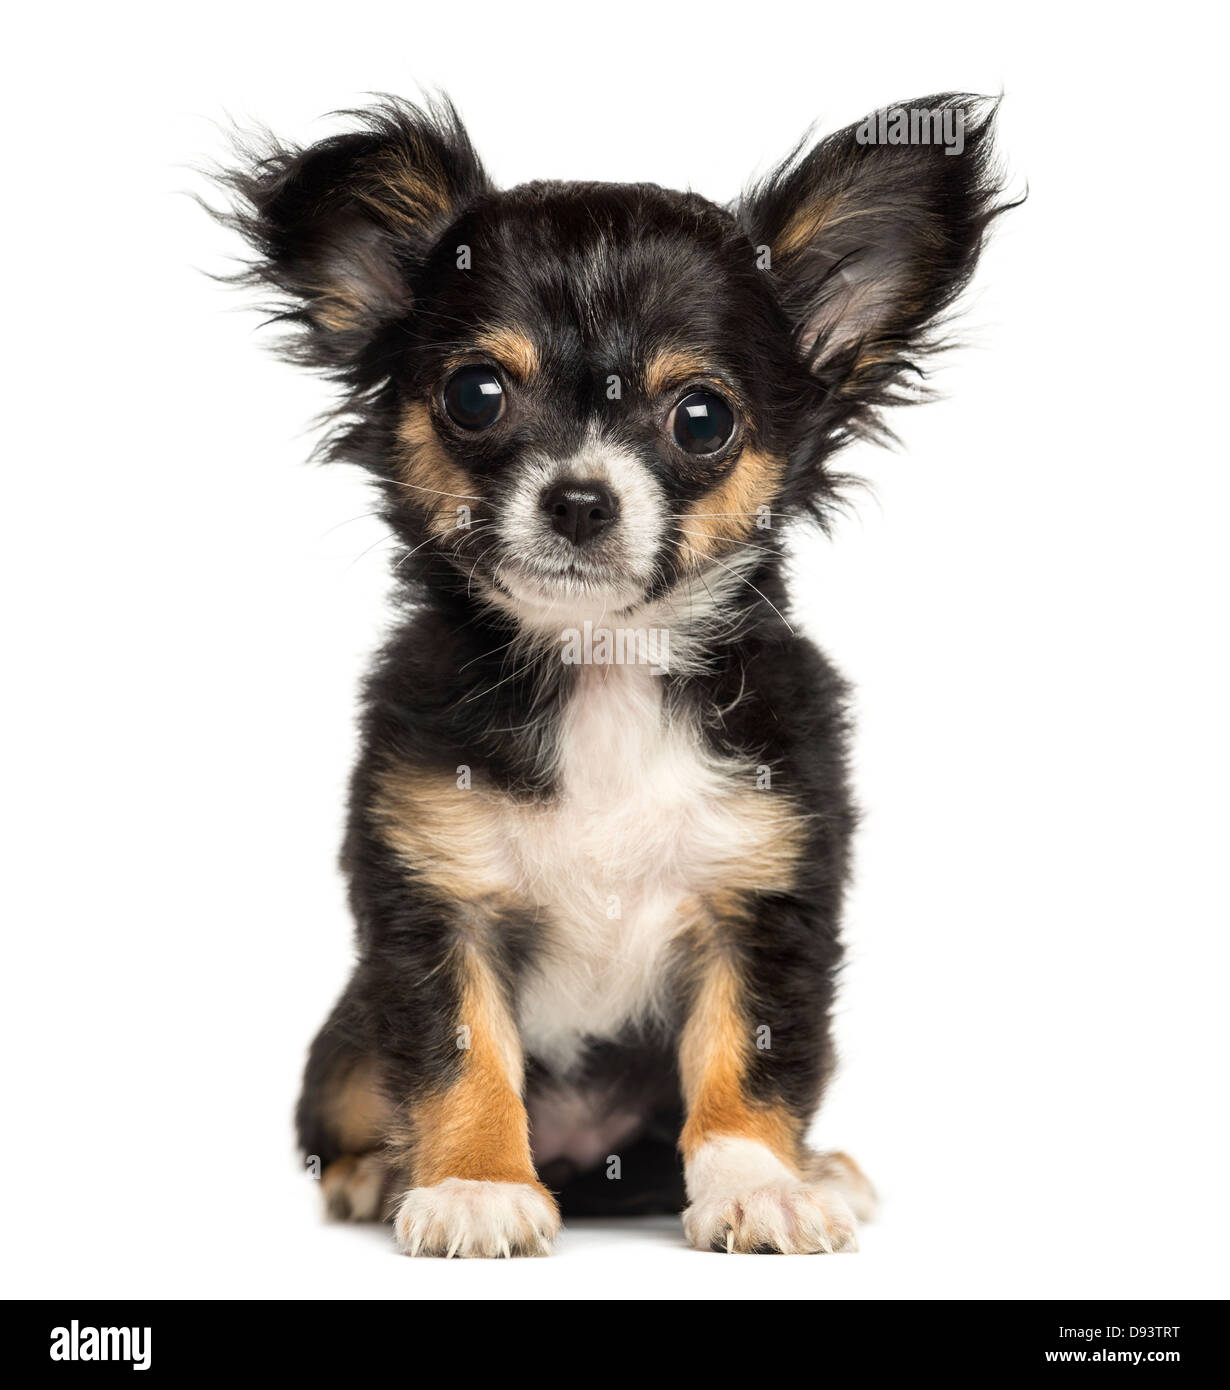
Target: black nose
(580, 510)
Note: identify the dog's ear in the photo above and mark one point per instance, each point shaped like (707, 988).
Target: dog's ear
(870, 241)
(339, 227)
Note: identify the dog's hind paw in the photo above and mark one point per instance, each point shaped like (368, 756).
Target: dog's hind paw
(840, 1172)
(476, 1220)
(353, 1188)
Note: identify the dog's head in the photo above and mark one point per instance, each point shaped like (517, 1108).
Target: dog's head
(583, 396)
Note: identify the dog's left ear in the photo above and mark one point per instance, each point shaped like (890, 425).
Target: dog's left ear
(871, 235)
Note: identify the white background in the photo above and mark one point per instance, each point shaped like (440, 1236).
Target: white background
(1031, 607)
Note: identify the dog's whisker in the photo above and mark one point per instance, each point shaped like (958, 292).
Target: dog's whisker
(503, 647)
(350, 522)
(745, 545)
(742, 580)
(451, 545)
(411, 553)
(367, 550)
(494, 545)
(465, 496)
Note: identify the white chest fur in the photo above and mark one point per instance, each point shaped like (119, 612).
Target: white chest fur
(645, 822)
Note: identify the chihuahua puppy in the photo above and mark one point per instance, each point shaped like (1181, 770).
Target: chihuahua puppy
(600, 825)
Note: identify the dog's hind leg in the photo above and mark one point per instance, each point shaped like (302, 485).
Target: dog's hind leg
(342, 1119)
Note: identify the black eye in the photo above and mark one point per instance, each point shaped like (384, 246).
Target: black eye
(474, 398)
(702, 423)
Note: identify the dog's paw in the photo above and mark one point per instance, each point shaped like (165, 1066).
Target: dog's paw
(476, 1220)
(744, 1198)
(353, 1188)
(788, 1217)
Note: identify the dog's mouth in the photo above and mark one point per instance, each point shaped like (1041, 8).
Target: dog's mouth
(547, 590)
(562, 585)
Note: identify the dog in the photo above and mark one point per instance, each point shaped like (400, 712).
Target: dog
(600, 824)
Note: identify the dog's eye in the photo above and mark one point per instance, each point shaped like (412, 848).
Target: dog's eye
(702, 423)
(474, 398)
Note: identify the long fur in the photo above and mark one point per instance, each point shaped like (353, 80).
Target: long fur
(388, 258)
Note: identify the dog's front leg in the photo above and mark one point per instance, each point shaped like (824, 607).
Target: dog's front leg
(475, 1191)
(752, 1186)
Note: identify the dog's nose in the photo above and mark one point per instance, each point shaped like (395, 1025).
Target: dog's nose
(580, 511)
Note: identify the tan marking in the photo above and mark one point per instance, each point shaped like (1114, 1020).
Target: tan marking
(726, 514)
(438, 483)
(714, 1059)
(407, 187)
(355, 1109)
(476, 1128)
(452, 840)
(817, 219)
(351, 291)
(512, 349)
(672, 367)
(338, 307)
(854, 317)
(771, 833)
(803, 228)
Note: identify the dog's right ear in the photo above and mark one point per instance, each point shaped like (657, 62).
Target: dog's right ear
(339, 227)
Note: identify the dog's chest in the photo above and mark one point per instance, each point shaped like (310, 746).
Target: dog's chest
(645, 824)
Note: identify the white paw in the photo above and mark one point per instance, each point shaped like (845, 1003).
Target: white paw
(786, 1218)
(744, 1198)
(472, 1219)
